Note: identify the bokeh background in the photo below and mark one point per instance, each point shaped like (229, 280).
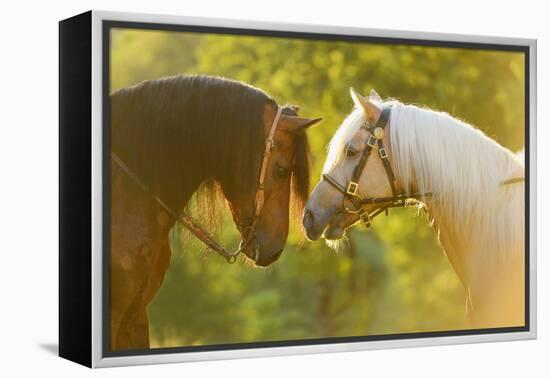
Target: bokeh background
(392, 278)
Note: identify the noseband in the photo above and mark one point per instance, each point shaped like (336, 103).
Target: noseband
(353, 203)
(187, 221)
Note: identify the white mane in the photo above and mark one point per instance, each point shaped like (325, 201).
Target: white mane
(460, 164)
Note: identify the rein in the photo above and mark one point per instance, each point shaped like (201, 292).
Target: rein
(194, 226)
(515, 180)
(353, 203)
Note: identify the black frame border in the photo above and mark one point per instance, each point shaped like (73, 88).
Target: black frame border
(75, 189)
(107, 25)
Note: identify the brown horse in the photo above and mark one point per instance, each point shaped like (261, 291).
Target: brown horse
(177, 134)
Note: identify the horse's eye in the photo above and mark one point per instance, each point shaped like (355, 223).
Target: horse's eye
(350, 152)
(281, 171)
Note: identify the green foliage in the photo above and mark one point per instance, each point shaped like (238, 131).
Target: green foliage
(390, 279)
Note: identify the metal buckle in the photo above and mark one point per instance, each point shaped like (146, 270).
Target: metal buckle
(371, 142)
(378, 133)
(383, 153)
(352, 188)
(366, 219)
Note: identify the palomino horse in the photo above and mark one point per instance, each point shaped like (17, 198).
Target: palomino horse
(470, 186)
(169, 137)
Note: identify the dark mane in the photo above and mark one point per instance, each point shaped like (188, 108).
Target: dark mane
(179, 132)
(300, 175)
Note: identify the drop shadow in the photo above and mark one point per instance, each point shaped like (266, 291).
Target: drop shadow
(51, 348)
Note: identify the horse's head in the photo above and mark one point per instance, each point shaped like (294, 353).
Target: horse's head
(334, 205)
(286, 166)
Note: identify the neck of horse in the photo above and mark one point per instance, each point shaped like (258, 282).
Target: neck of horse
(493, 280)
(188, 191)
(480, 222)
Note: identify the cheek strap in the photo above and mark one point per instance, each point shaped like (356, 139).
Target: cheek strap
(269, 144)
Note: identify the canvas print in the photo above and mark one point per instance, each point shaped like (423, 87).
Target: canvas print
(283, 189)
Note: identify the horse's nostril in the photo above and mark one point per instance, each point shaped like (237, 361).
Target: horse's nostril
(309, 219)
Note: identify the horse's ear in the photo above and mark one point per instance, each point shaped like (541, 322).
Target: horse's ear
(375, 96)
(372, 110)
(295, 124)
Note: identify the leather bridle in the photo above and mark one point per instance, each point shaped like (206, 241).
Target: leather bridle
(355, 204)
(187, 221)
(259, 198)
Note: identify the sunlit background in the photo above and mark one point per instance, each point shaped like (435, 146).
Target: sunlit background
(392, 278)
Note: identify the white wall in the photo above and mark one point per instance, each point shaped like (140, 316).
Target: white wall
(28, 184)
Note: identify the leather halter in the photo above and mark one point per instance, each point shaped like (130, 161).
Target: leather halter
(194, 226)
(259, 198)
(353, 202)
